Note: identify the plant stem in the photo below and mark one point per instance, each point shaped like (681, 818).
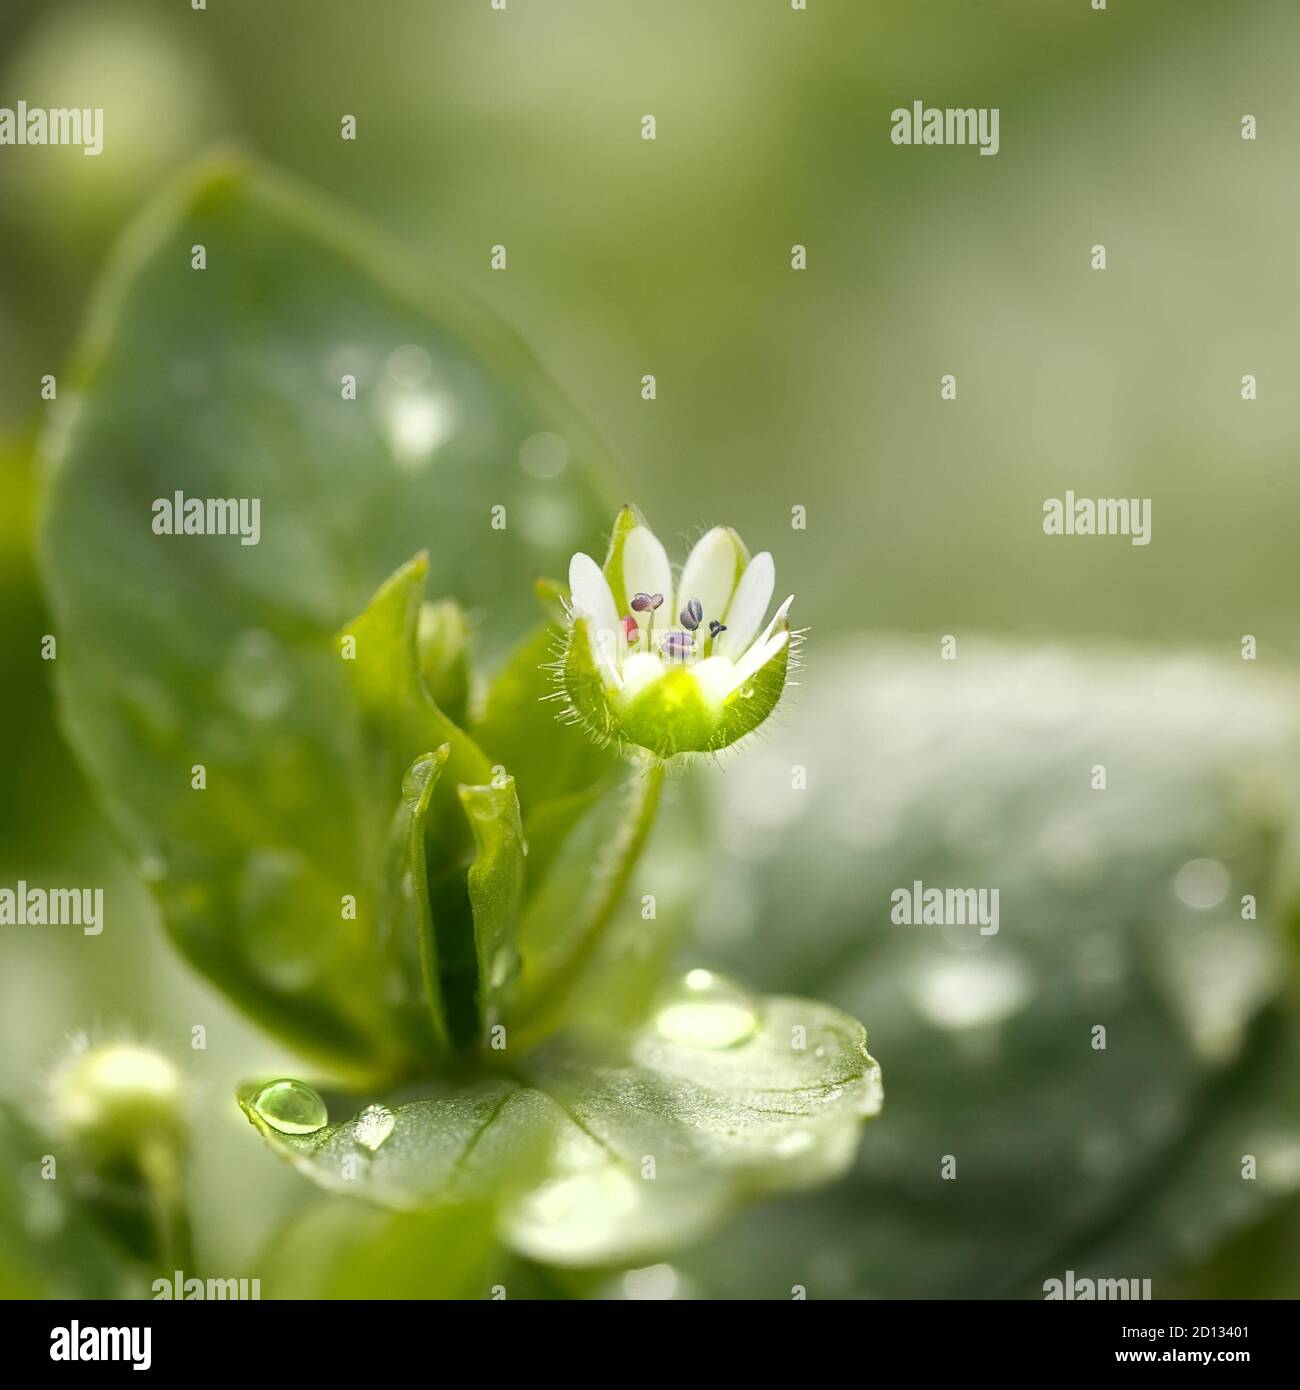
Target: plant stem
(173, 1246)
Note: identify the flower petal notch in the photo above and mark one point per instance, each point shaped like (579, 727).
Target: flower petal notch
(685, 668)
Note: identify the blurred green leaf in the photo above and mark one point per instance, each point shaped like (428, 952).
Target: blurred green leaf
(601, 1157)
(518, 729)
(344, 1250)
(1119, 908)
(175, 651)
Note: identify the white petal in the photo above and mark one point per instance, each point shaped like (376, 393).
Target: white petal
(716, 677)
(753, 594)
(590, 596)
(757, 657)
(777, 619)
(646, 571)
(639, 670)
(590, 593)
(709, 574)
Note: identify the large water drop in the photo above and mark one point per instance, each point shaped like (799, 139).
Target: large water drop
(707, 1010)
(292, 1107)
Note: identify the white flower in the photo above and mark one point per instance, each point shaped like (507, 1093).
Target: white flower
(674, 668)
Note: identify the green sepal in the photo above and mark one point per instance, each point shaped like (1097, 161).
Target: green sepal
(628, 519)
(751, 703)
(589, 699)
(671, 715)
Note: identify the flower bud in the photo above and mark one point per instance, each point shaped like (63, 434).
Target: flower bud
(114, 1100)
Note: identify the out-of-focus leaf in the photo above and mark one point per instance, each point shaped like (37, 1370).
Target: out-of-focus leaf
(344, 1250)
(518, 729)
(1238, 1165)
(603, 1157)
(177, 650)
(1119, 908)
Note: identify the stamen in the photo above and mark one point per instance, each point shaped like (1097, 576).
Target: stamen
(646, 603)
(692, 614)
(677, 646)
(715, 627)
(631, 630)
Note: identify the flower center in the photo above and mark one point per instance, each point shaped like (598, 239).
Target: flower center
(681, 645)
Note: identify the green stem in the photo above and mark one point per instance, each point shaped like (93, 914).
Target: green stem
(160, 1167)
(609, 881)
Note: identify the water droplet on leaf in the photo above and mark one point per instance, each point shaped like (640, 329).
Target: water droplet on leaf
(292, 1107)
(707, 1010)
(374, 1125)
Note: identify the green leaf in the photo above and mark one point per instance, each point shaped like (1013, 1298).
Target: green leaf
(520, 729)
(177, 650)
(444, 658)
(613, 1153)
(399, 715)
(496, 886)
(977, 773)
(567, 915)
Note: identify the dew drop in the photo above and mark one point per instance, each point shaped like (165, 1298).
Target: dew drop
(707, 1010)
(292, 1107)
(374, 1125)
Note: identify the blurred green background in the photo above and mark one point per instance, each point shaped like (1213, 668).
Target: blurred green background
(777, 388)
